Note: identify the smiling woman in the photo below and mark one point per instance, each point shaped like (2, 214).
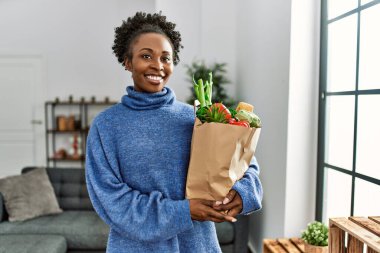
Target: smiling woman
(138, 154)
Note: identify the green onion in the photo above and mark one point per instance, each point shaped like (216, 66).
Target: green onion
(201, 90)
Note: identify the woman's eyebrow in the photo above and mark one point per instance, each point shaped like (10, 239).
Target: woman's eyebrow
(148, 49)
(151, 50)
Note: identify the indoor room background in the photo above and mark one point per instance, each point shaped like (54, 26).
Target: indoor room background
(272, 51)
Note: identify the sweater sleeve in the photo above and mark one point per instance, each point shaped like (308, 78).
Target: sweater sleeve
(139, 216)
(250, 189)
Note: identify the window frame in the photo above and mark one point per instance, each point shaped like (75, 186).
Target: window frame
(323, 94)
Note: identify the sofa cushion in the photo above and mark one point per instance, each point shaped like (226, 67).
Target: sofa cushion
(70, 187)
(32, 243)
(29, 195)
(225, 232)
(82, 229)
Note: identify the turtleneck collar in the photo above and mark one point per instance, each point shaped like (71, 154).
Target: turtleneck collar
(146, 101)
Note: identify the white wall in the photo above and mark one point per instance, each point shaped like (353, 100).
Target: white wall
(302, 116)
(277, 71)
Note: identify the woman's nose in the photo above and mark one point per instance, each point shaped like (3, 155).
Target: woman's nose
(157, 64)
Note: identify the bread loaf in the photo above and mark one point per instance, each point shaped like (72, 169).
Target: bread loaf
(244, 106)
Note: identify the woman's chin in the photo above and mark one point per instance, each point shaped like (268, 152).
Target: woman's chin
(151, 88)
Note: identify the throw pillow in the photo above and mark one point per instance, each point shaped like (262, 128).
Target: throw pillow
(29, 195)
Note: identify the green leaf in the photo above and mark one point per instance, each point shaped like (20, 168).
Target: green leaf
(316, 234)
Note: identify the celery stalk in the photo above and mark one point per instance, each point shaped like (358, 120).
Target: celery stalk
(207, 93)
(210, 83)
(196, 89)
(201, 90)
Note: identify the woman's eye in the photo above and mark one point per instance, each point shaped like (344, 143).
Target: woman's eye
(166, 59)
(146, 56)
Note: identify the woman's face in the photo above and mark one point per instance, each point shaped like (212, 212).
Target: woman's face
(152, 62)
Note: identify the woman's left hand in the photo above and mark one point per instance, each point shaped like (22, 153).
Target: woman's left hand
(233, 204)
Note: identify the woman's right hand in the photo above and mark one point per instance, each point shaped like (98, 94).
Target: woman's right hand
(202, 210)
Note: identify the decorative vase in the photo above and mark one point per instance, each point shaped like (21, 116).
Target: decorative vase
(315, 249)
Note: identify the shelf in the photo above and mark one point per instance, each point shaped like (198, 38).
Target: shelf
(67, 131)
(67, 159)
(81, 103)
(85, 111)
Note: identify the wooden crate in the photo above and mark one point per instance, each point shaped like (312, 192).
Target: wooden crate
(359, 231)
(292, 245)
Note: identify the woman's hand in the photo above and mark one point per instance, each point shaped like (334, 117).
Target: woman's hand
(233, 204)
(202, 210)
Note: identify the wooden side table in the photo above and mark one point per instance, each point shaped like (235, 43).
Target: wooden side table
(284, 245)
(360, 231)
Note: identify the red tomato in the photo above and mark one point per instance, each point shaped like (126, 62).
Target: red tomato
(222, 109)
(239, 123)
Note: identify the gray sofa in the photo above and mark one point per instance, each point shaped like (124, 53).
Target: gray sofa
(78, 229)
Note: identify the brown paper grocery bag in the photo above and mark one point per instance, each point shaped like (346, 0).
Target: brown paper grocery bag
(220, 155)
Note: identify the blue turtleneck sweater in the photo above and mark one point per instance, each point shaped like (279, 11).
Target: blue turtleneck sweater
(136, 165)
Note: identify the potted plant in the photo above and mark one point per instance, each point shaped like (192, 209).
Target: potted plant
(316, 238)
(199, 70)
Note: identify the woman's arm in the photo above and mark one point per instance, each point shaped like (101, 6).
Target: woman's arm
(250, 189)
(144, 217)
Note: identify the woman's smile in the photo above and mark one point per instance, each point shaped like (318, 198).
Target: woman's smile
(154, 79)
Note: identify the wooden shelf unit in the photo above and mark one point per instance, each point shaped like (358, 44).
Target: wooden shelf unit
(52, 131)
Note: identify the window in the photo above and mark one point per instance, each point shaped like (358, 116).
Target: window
(348, 181)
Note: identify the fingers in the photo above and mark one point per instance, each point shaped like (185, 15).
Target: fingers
(221, 220)
(219, 211)
(227, 207)
(234, 207)
(215, 215)
(234, 211)
(202, 210)
(230, 196)
(221, 216)
(209, 203)
(224, 207)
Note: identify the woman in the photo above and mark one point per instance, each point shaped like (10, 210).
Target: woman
(138, 154)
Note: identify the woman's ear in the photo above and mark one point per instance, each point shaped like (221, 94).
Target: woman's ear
(127, 64)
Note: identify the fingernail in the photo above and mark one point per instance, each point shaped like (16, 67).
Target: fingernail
(234, 220)
(218, 203)
(225, 201)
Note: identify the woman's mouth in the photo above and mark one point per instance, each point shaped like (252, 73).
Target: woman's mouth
(154, 79)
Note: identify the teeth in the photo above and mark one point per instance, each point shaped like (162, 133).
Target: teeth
(156, 78)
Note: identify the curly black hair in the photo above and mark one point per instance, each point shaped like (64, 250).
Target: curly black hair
(142, 23)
